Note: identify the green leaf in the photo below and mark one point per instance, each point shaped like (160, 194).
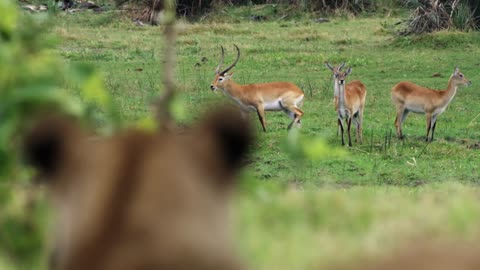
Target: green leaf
(318, 149)
(8, 18)
(147, 123)
(94, 91)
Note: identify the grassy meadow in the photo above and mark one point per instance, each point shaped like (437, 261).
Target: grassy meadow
(302, 213)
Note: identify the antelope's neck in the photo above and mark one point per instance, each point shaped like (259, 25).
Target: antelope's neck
(235, 91)
(340, 92)
(336, 87)
(449, 93)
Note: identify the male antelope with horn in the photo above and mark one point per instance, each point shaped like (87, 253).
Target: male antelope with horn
(260, 97)
(409, 97)
(349, 101)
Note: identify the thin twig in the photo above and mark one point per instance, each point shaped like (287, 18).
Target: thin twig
(471, 122)
(164, 103)
(423, 150)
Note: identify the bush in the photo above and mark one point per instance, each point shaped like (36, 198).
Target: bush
(191, 8)
(435, 15)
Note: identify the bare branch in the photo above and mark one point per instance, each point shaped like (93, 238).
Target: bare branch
(163, 104)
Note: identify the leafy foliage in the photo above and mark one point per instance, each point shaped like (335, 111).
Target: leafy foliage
(31, 82)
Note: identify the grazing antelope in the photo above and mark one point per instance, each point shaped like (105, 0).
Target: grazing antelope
(409, 97)
(349, 101)
(260, 97)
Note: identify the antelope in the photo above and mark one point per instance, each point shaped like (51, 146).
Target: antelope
(409, 97)
(260, 97)
(349, 102)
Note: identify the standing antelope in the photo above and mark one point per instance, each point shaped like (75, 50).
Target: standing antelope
(260, 97)
(409, 97)
(349, 101)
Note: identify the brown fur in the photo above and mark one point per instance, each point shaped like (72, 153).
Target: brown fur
(407, 97)
(141, 200)
(256, 96)
(260, 97)
(355, 94)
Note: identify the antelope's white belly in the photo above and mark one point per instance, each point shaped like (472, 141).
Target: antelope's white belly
(342, 111)
(416, 108)
(273, 105)
(278, 104)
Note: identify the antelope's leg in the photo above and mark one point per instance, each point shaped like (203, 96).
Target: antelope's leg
(339, 121)
(349, 124)
(261, 116)
(429, 125)
(434, 124)
(291, 108)
(401, 115)
(298, 114)
(357, 127)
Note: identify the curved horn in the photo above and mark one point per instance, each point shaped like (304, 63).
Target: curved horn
(341, 66)
(234, 63)
(328, 65)
(221, 60)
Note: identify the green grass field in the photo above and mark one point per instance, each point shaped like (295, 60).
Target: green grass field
(295, 51)
(296, 214)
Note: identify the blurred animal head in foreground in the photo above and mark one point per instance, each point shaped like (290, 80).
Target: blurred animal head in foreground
(141, 200)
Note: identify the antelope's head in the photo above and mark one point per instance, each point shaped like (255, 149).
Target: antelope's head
(338, 75)
(458, 78)
(221, 77)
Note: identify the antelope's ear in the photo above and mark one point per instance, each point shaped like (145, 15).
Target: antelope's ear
(229, 75)
(349, 70)
(456, 71)
(229, 135)
(50, 143)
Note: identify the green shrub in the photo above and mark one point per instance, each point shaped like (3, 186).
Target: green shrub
(31, 82)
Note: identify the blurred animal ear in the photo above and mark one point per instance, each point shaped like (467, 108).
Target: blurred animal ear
(456, 71)
(229, 135)
(349, 70)
(229, 75)
(50, 143)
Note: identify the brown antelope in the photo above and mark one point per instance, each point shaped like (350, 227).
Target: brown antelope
(349, 101)
(260, 97)
(409, 97)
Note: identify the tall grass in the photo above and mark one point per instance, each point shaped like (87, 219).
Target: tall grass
(463, 18)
